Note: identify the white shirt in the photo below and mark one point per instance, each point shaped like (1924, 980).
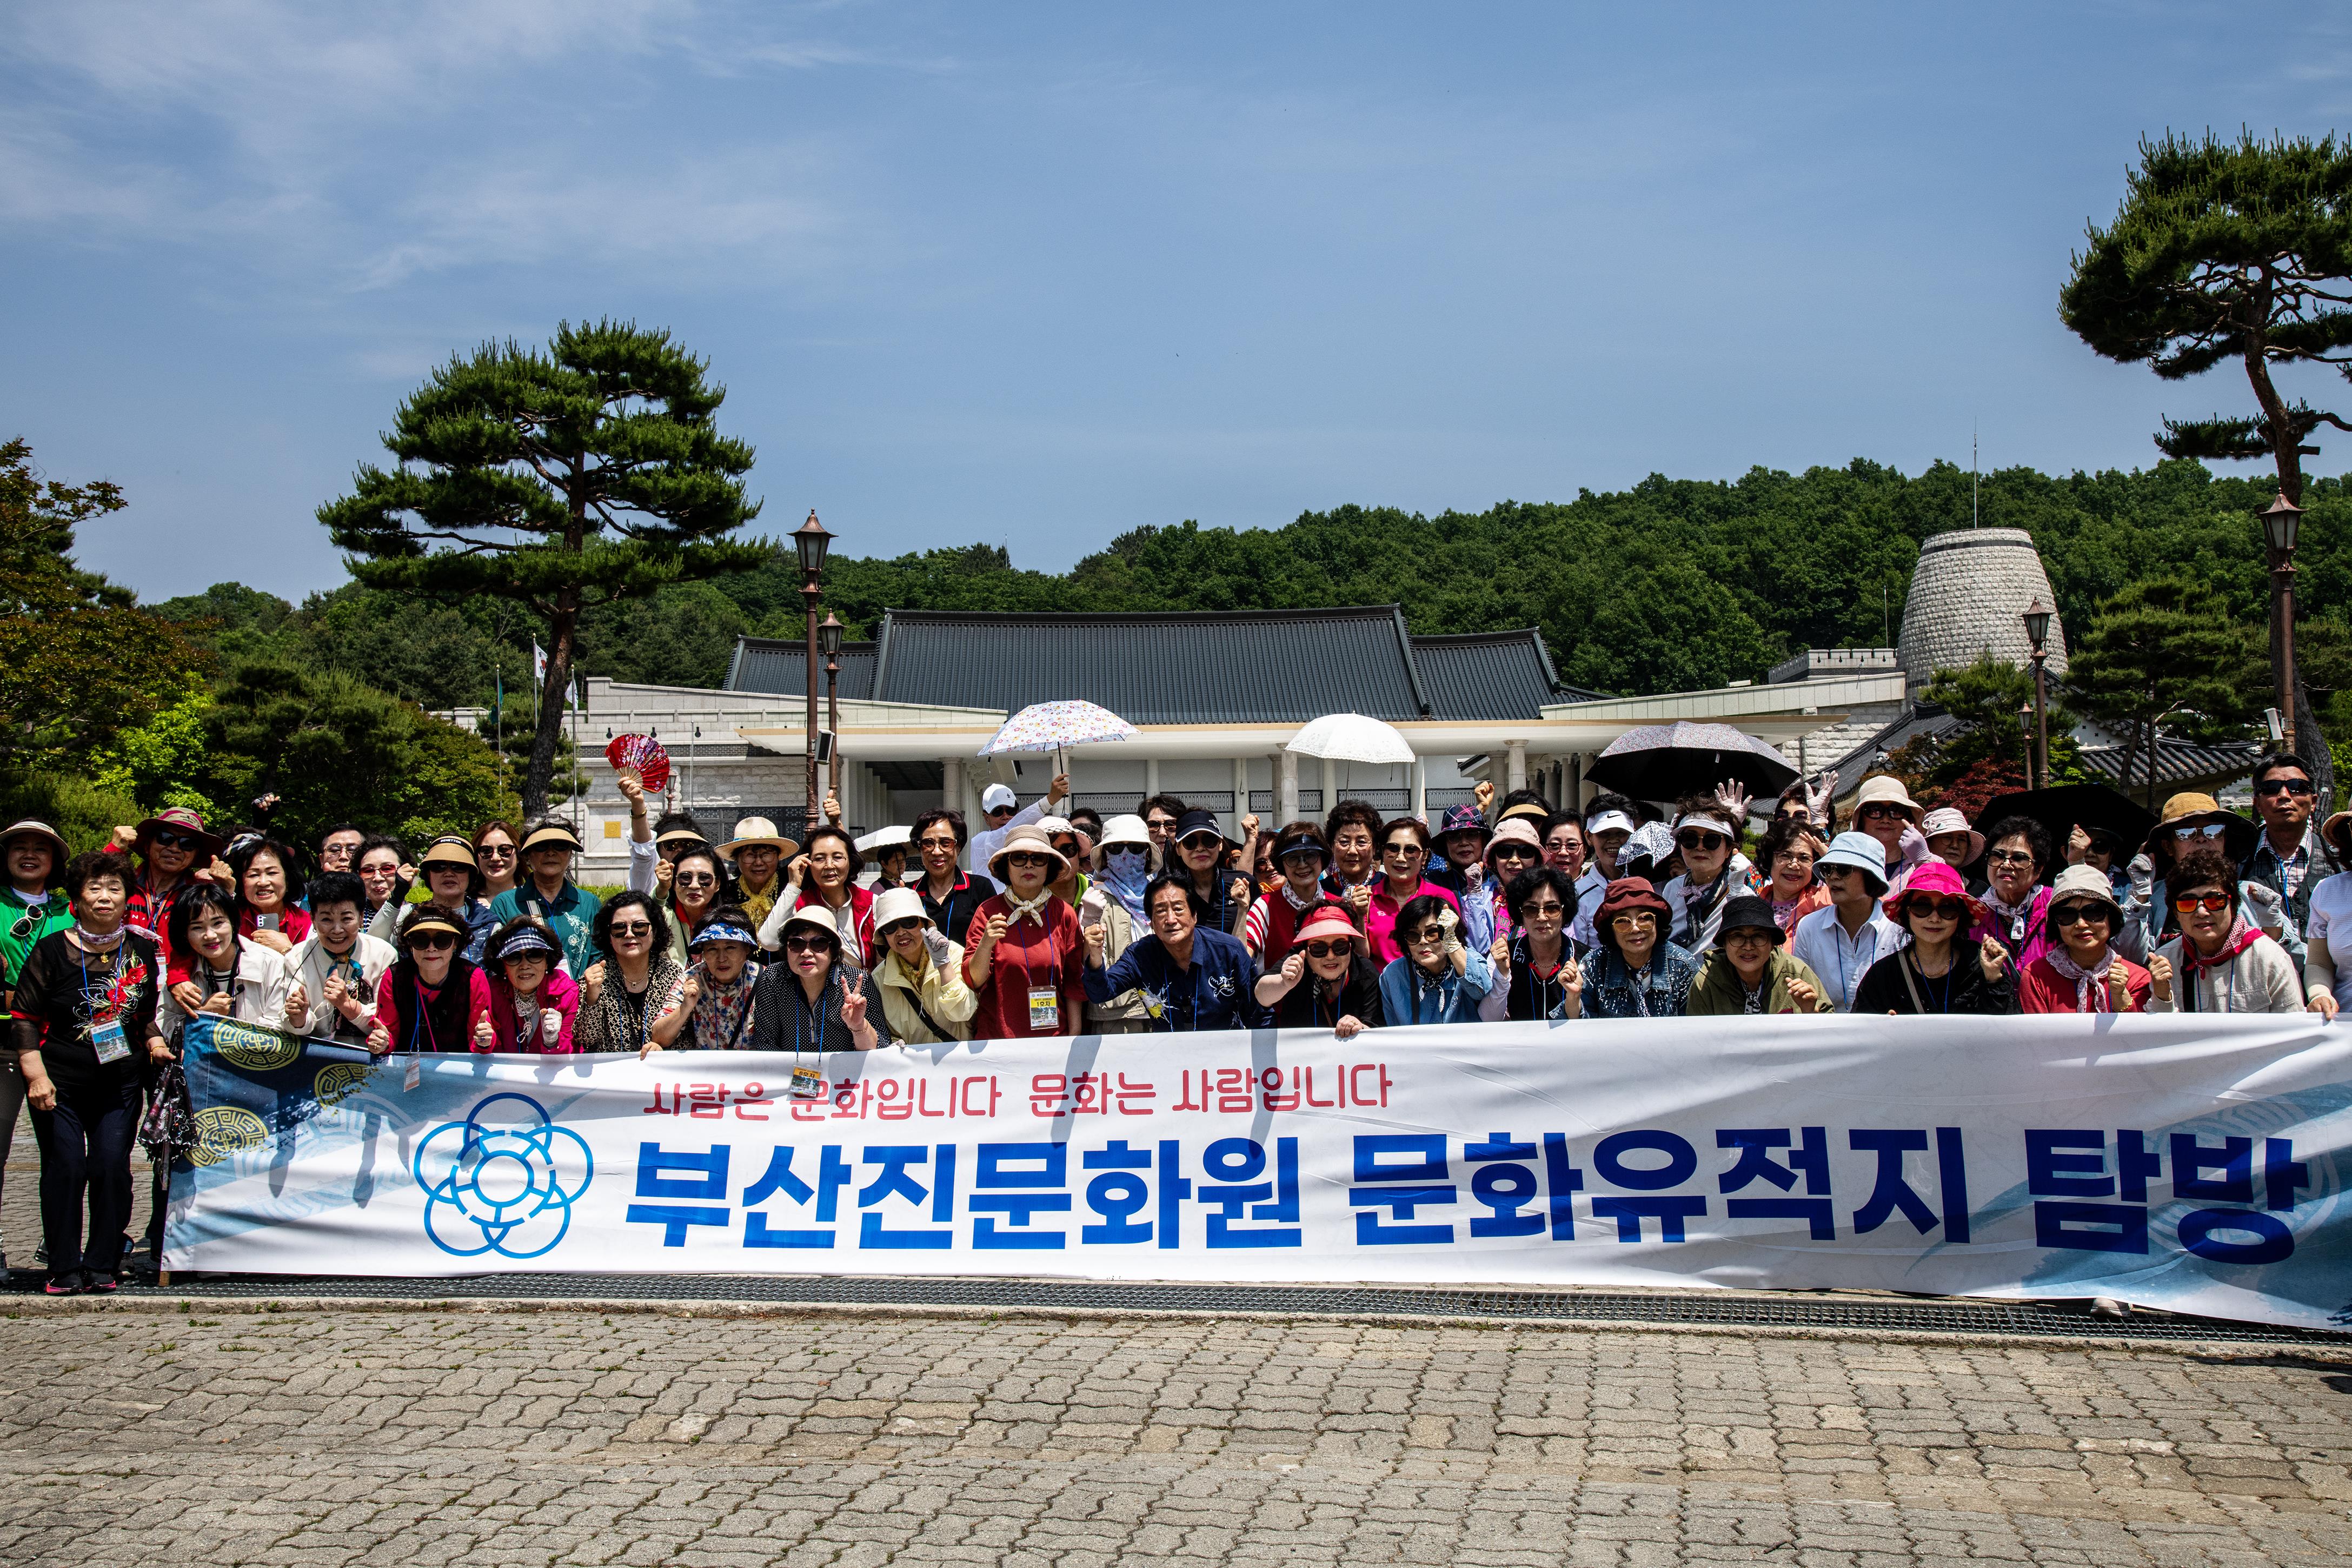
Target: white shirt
(1820, 943)
(2329, 929)
(988, 840)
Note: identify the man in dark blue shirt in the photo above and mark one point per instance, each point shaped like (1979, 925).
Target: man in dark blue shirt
(1191, 976)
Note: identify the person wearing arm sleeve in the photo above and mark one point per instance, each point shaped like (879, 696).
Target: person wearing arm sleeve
(643, 853)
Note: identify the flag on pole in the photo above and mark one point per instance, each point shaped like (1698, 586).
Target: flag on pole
(538, 662)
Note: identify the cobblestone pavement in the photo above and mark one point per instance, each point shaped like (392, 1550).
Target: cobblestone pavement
(220, 1435)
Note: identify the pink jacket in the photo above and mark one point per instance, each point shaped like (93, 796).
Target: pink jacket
(557, 994)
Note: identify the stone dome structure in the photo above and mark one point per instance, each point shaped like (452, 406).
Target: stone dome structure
(1967, 594)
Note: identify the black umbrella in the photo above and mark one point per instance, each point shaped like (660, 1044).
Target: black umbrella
(2096, 807)
(1663, 762)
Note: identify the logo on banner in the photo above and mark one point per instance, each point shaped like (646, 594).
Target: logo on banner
(338, 1081)
(255, 1050)
(226, 1130)
(503, 1180)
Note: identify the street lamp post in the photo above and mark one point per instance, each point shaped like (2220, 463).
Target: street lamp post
(810, 539)
(2280, 524)
(828, 637)
(2037, 633)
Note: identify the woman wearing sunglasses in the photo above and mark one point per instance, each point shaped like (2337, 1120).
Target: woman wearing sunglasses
(433, 992)
(1434, 979)
(533, 1003)
(698, 887)
(1536, 975)
(173, 852)
(1707, 836)
(2220, 962)
(496, 853)
(1405, 851)
(1636, 972)
(1024, 956)
(723, 979)
(1942, 970)
(637, 997)
(1325, 981)
(1516, 850)
(812, 1002)
(1113, 902)
(2080, 970)
(452, 884)
(919, 973)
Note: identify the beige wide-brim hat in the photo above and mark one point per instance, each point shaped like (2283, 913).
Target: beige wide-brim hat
(1028, 835)
(1947, 819)
(757, 830)
(815, 915)
(1885, 789)
(895, 904)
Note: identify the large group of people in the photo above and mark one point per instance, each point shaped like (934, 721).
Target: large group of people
(1046, 920)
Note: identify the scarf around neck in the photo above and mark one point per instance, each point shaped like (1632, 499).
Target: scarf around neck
(1128, 889)
(1031, 909)
(2241, 937)
(2090, 987)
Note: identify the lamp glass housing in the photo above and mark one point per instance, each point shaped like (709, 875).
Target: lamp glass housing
(2281, 523)
(828, 634)
(2037, 625)
(810, 539)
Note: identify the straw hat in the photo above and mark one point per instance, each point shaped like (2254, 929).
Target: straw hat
(759, 830)
(185, 823)
(2190, 810)
(61, 854)
(554, 836)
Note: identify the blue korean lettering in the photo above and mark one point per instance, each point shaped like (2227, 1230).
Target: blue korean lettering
(2282, 1174)
(832, 1174)
(896, 1182)
(1504, 1181)
(1809, 1157)
(1019, 1180)
(705, 1179)
(2065, 1167)
(1118, 1195)
(1236, 1164)
(2273, 1243)
(1682, 1161)
(1892, 1193)
(1411, 1169)
(2205, 1232)
(2234, 1159)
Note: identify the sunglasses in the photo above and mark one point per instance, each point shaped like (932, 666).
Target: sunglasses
(22, 927)
(947, 844)
(1407, 848)
(1069, 849)
(899, 927)
(1028, 857)
(1161, 824)
(1538, 911)
(633, 927)
(2208, 830)
(1700, 839)
(1882, 812)
(1514, 852)
(2078, 914)
(164, 838)
(2284, 786)
(495, 851)
(695, 879)
(1635, 917)
(432, 940)
(1938, 908)
(2012, 858)
(1328, 949)
(2211, 904)
(1307, 852)
(807, 944)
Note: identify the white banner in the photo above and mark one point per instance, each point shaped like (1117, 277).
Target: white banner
(2189, 1164)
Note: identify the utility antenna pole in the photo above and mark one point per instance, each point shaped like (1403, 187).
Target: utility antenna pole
(1972, 473)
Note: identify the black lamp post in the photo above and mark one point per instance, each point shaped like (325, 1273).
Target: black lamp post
(2280, 524)
(828, 637)
(810, 539)
(2037, 633)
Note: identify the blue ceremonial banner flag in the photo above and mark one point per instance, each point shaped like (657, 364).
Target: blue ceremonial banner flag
(2191, 1163)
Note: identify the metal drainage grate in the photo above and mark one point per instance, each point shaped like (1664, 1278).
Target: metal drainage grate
(1921, 1315)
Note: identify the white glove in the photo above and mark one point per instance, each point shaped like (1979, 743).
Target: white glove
(551, 1026)
(2270, 909)
(938, 943)
(2143, 875)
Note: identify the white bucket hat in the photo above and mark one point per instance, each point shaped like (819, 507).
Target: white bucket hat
(1949, 819)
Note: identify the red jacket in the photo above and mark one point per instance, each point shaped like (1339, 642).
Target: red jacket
(1051, 956)
(2042, 989)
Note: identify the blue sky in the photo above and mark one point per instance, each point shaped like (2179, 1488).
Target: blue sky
(1039, 274)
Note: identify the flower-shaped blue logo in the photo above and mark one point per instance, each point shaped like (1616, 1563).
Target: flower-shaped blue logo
(503, 1180)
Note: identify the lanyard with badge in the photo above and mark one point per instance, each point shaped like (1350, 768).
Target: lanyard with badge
(106, 1034)
(808, 1083)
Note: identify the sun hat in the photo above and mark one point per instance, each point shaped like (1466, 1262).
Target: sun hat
(432, 917)
(1748, 913)
(1624, 894)
(1935, 877)
(815, 915)
(1885, 789)
(2335, 830)
(1514, 830)
(1714, 816)
(1028, 835)
(1526, 808)
(1054, 825)
(2238, 833)
(722, 930)
(2083, 882)
(753, 831)
(554, 834)
(1460, 820)
(1125, 828)
(186, 822)
(1609, 822)
(997, 798)
(1322, 921)
(1301, 835)
(1948, 819)
(895, 904)
(29, 828)
(1860, 851)
(529, 937)
(449, 849)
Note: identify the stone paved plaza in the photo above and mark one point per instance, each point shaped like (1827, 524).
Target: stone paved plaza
(224, 1435)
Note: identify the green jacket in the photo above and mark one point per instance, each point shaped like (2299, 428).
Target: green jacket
(1718, 989)
(17, 915)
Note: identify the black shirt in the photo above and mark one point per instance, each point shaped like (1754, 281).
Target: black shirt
(1306, 1006)
(62, 990)
(1889, 984)
(783, 1019)
(953, 914)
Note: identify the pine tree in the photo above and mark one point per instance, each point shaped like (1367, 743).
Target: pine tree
(2228, 251)
(2161, 649)
(565, 479)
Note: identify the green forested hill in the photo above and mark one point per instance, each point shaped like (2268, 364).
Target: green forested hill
(1672, 584)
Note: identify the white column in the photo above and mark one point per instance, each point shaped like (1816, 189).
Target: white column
(951, 784)
(1421, 788)
(1241, 793)
(1151, 775)
(1286, 787)
(1330, 785)
(1514, 773)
